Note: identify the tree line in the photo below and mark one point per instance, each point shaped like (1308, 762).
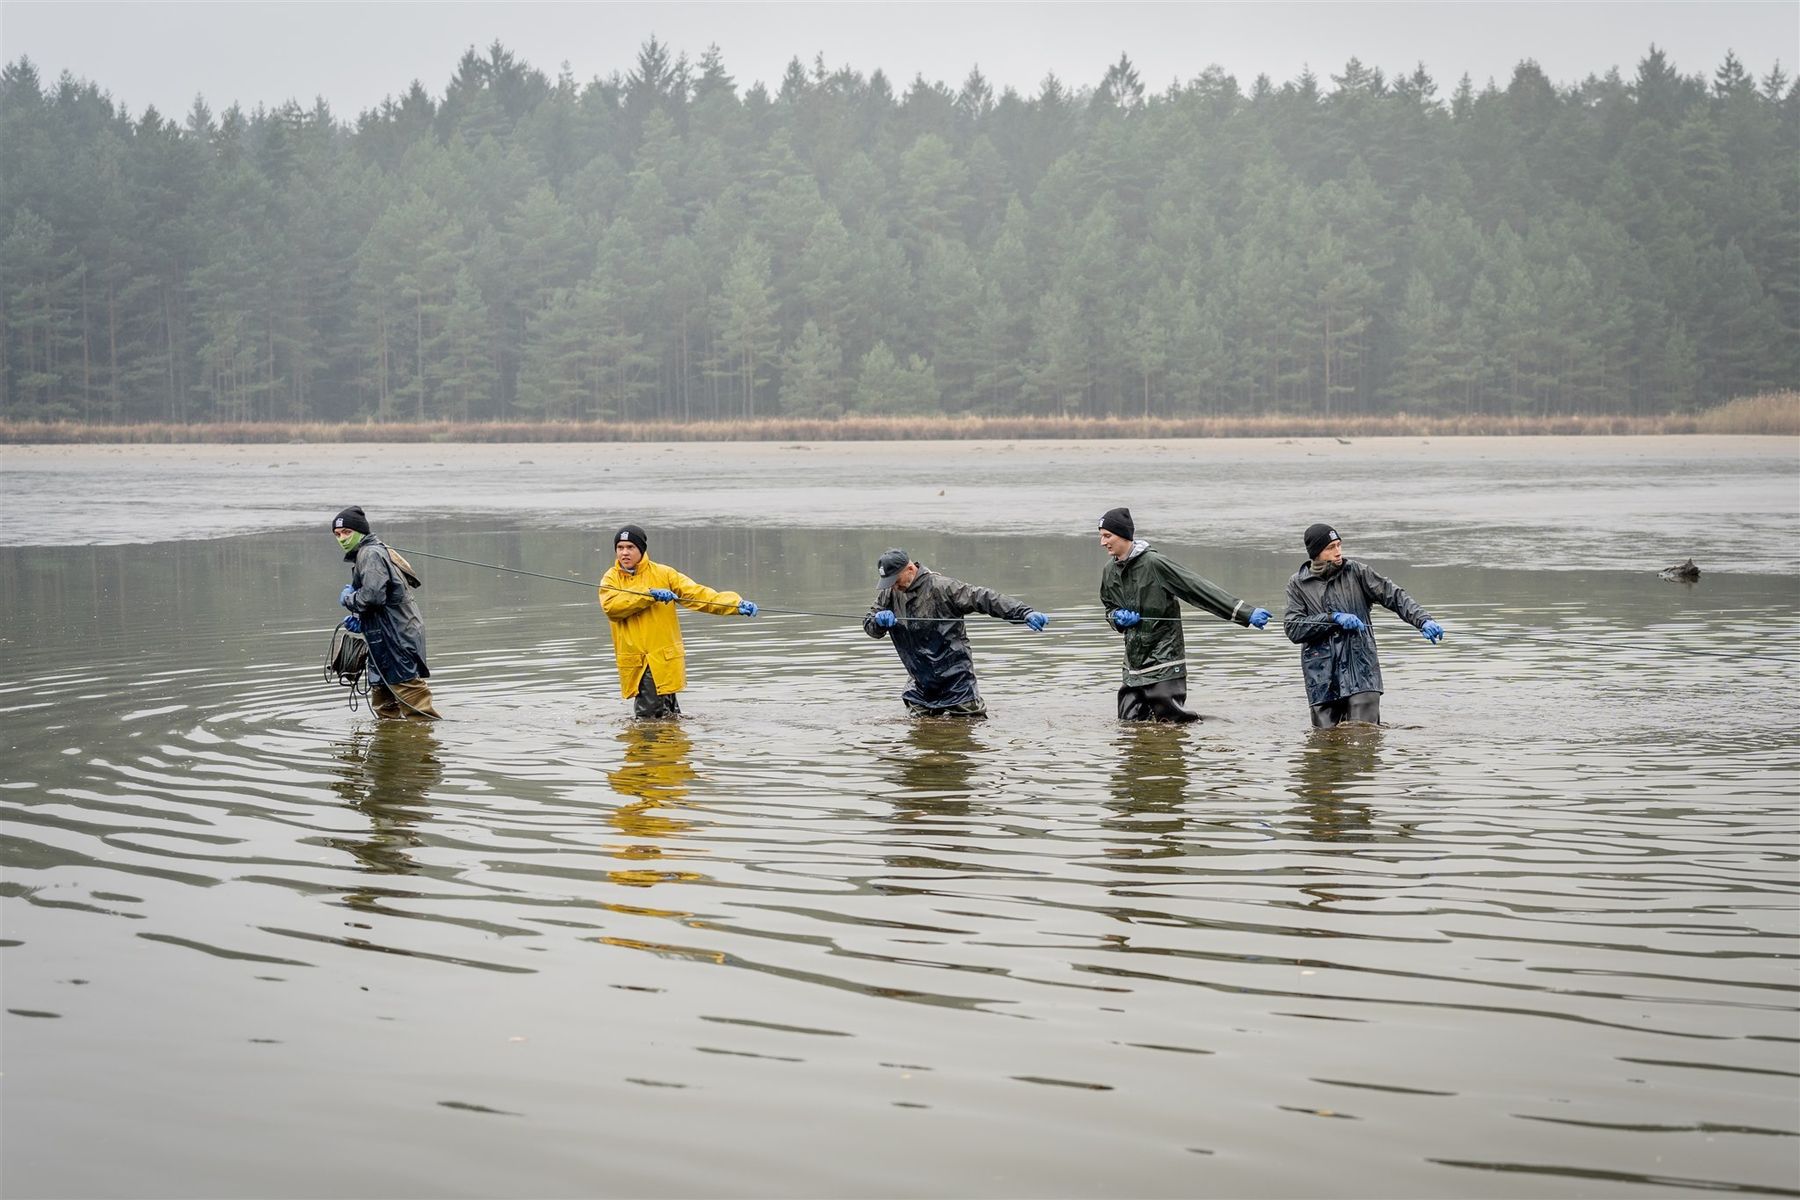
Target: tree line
(665, 245)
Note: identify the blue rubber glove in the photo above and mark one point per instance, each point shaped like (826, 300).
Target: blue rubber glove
(884, 619)
(1349, 621)
(663, 594)
(1124, 618)
(1037, 621)
(344, 596)
(1432, 631)
(746, 608)
(352, 624)
(1259, 617)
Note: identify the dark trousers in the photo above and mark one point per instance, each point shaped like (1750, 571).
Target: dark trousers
(1363, 706)
(1161, 701)
(648, 705)
(968, 708)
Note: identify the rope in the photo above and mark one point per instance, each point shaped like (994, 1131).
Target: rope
(787, 612)
(357, 681)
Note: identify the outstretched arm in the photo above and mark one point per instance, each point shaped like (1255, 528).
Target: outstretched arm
(1204, 593)
(966, 598)
(701, 598)
(1390, 595)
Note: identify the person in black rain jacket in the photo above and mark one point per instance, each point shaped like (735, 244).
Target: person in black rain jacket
(1328, 607)
(922, 613)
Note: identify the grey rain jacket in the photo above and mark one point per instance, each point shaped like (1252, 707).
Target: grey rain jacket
(1152, 586)
(390, 619)
(1336, 662)
(936, 654)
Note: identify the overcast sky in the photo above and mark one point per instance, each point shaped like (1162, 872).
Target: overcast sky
(354, 54)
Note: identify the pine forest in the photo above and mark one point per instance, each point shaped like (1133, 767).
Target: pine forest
(669, 245)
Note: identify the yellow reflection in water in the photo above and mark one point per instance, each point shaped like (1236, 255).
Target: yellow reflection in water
(656, 770)
(665, 950)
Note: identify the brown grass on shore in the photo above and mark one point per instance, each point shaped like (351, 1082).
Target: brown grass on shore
(1771, 413)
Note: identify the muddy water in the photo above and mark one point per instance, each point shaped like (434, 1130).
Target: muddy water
(1537, 938)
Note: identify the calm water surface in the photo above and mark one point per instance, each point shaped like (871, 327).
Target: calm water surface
(1537, 938)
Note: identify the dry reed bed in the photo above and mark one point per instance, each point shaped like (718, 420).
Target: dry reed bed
(1775, 413)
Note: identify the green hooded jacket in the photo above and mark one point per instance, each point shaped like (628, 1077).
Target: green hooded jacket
(1152, 586)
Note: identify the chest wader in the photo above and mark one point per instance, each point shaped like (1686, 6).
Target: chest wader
(649, 706)
(967, 708)
(1163, 700)
(1363, 706)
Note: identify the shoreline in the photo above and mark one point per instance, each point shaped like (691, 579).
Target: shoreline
(1597, 503)
(1775, 415)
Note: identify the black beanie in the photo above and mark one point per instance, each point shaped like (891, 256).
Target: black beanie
(351, 518)
(1318, 537)
(635, 535)
(1117, 521)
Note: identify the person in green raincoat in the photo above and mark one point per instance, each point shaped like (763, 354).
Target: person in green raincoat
(1141, 592)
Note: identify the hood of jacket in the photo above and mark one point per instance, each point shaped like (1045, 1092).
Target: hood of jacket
(368, 539)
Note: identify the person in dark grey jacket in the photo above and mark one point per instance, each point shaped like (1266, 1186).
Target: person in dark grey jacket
(383, 610)
(1328, 606)
(922, 613)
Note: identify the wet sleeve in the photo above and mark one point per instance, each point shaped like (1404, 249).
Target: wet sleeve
(869, 625)
(1203, 592)
(1298, 624)
(965, 598)
(620, 598)
(1110, 597)
(1390, 595)
(701, 598)
(375, 571)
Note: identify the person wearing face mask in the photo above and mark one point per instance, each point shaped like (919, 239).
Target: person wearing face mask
(1142, 592)
(639, 597)
(1328, 609)
(383, 610)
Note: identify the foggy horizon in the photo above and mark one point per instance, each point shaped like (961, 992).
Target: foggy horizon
(355, 59)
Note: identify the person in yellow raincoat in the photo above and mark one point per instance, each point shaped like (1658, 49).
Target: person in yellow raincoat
(639, 597)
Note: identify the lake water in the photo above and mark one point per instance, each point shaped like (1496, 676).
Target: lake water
(1538, 937)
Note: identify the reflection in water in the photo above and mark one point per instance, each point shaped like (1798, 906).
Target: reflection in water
(1150, 772)
(656, 771)
(1373, 934)
(1332, 770)
(1149, 781)
(386, 774)
(930, 775)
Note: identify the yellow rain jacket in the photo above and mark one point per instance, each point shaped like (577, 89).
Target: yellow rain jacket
(647, 632)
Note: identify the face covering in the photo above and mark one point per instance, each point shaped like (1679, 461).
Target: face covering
(349, 540)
